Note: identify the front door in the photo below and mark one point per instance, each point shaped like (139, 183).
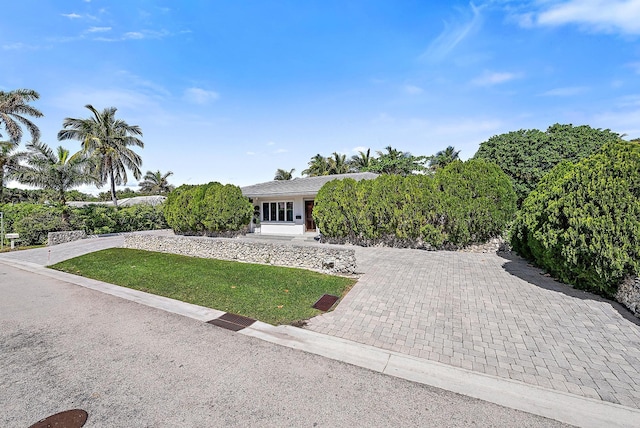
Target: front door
(308, 216)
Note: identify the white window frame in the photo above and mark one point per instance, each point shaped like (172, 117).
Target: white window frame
(274, 213)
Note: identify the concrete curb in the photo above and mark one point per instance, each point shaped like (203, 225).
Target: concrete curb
(561, 406)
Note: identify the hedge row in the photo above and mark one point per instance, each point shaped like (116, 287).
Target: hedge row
(582, 222)
(464, 203)
(34, 221)
(207, 209)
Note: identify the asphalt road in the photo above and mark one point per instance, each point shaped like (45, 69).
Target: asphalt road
(65, 347)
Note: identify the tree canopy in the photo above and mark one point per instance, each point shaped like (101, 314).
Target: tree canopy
(527, 155)
(14, 106)
(283, 174)
(156, 183)
(58, 171)
(108, 140)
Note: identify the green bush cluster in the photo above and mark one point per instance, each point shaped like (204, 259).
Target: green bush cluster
(582, 222)
(207, 209)
(464, 203)
(34, 221)
(100, 219)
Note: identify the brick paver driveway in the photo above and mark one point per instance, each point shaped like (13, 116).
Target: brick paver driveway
(494, 315)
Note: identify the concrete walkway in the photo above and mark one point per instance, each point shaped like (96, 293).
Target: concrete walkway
(477, 324)
(492, 315)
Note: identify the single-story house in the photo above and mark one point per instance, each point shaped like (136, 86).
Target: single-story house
(285, 207)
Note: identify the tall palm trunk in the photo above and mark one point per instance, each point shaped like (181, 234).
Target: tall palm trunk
(113, 186)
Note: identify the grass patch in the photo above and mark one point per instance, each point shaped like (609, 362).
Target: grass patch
(276, 295)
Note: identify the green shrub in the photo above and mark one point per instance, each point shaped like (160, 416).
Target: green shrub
(464, 203)
(95, 219)
(582, 222)
(207, 209)
(35, 227)
(477, 201)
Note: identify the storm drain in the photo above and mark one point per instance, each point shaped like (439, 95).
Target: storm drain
(75, 418)
(325, 302)
(232, 322)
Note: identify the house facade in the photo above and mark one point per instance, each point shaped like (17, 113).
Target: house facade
(285, 207)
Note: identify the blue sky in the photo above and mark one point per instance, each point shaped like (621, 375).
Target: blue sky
(230, 91)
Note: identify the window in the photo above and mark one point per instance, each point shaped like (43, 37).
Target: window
(277, 211)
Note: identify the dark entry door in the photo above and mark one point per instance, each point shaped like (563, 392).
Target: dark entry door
(308, 216)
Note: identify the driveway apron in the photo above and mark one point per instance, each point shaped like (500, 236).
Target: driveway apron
(492, 314)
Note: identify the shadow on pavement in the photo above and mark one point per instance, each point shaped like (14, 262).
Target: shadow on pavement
(521, 268)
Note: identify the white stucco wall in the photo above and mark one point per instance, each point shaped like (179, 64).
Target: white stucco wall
(297, 227)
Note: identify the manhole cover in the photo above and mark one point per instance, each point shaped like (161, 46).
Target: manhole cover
(75, 418)
(325, 302)
(232, 321)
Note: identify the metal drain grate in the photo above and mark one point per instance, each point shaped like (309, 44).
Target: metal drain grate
(75, 418)
(232, 322)
(325, 302)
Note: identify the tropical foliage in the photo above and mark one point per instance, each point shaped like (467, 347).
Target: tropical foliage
(34, 221)
(14, 106)
(461, 204)
(527, 155)
(207, 209)
(393, 161)
(443, 158)
(283, 174)
(582, 222)
(57, 171)
(9, 162)
(108, 141)
(156, 183)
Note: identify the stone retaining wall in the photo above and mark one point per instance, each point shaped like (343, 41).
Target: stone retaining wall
(55, 238)
(629, 294)
(331, 260)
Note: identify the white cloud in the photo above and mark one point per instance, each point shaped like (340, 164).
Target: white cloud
(17, 46)
(360, 149)
(200, 96)
(271, 143)
(412, 89)
(453, 35)
(281, 151)
(251, 153)
(98, 29)
(71, 15)
(136, 35)
(490, 78)
(565, 92)
(609, 16)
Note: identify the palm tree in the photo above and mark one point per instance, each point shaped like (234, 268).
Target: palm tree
(156, 183)
(9, 162)
(283, 174)
(361, 161)
(57, 170)
(107, 139)
(443, 158)
(318, 165)
(13, 106)
(338, 164)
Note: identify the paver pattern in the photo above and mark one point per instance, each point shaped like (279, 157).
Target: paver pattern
(494, 315)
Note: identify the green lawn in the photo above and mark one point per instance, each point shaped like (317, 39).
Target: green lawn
(272, 294)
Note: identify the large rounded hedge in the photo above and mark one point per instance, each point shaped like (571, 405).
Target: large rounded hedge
(207, 209)
(464, 203)
(527, 155)
(582, 222)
